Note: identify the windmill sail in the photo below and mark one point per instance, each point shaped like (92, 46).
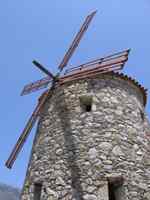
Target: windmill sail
(101, 62)
(76, 41)
(23, 137)
(37, 85)
(113, 62)
(90, 73)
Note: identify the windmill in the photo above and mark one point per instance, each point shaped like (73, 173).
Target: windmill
(106, 64)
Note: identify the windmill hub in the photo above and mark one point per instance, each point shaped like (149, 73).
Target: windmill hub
(56, 77)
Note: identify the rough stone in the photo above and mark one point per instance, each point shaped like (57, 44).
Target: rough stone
(76, 153)
(105, 146)
(92, 153)
(117, 151)
(60, 181)
(90, 197)
(146, 196)
(103, 192)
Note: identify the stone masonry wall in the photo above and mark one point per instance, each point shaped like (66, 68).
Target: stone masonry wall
(76, 153)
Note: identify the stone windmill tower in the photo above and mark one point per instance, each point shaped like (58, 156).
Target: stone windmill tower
(91, 141)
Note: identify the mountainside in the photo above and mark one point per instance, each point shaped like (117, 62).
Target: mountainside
(8, 192)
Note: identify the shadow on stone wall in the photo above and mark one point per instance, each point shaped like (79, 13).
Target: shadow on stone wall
(70, 147)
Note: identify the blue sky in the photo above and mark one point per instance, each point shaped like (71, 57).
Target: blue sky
(43, 30)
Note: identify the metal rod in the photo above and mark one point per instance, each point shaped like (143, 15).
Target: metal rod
(42, 68)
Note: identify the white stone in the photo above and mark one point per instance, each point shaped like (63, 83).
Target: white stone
(78, 109)
(103, 157)
(139, 152)
(135, 146)
(90, 197)
(109, 118)
(90, 189)
(59, 151)
(108, 134)
(118, 112)
(114, 100)
(60, 181)
(142, 186)
(51, 192)
(108, 162)
(108, 167)
(105, 99)
(92, 153)
(87, 163)
(50, 109)
(46, 122)
(93, 107)
(105, 146)
(117, 151)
